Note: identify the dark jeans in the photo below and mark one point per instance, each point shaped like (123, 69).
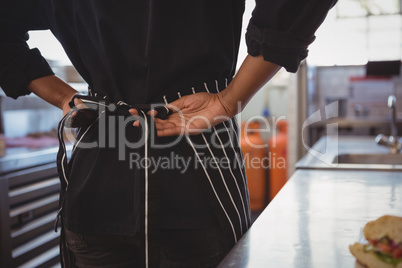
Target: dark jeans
(178, 248)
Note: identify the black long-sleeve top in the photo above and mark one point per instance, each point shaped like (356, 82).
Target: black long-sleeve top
(137, 52)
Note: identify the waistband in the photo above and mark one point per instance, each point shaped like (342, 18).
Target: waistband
(94, 105)
(211, 86)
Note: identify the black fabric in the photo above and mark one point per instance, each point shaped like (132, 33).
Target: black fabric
(282, 31)
(148, 189)
(143, 52)
(101, 185)
(27, 67)
(123, 48)
(177, 248)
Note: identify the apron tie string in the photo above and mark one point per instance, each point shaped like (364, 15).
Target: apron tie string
(149, 193)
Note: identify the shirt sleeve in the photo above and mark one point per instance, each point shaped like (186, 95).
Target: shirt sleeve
(282, 30)
(18, 63)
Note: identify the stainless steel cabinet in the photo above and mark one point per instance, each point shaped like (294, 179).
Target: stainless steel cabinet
(28, 206)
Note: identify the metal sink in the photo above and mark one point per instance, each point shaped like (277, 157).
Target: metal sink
(369, 159)
(350, 153)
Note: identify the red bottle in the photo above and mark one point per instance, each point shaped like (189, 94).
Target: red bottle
(278, 174)
(254, 149)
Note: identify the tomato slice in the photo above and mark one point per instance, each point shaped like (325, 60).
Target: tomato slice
(384, 248)
(397, 253)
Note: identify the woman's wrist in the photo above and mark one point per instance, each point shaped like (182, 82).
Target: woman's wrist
(53, 90)
(252, 75)
(231, 105)
(65, 101)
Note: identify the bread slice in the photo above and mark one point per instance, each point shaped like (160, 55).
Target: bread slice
(369, 259)
(387, 225)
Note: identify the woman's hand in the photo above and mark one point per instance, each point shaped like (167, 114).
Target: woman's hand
(82, 117)
(198, 112)
(65, 105)
(192, 114)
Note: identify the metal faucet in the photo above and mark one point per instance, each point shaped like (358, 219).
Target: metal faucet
(392, 106)
(392, 141)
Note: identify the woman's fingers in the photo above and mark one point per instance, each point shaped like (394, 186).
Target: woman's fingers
(153, 113)
(133, 112)
(168, 127)
(79, 104)
(162, 124)
(83, 116)
(191, 115)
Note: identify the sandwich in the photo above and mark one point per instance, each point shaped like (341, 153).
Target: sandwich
(384, 247)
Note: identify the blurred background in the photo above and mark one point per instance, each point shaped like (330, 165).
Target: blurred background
(342, 87)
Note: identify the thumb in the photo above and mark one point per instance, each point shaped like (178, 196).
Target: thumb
(177, 105)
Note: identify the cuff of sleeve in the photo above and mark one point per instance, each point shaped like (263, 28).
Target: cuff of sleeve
(14, 79)
(282, 48)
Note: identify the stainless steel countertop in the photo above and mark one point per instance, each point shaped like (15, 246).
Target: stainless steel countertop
(315, 217)
(322, 154)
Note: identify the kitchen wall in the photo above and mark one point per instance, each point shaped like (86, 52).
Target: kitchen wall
(30, 114)
(348, 83)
